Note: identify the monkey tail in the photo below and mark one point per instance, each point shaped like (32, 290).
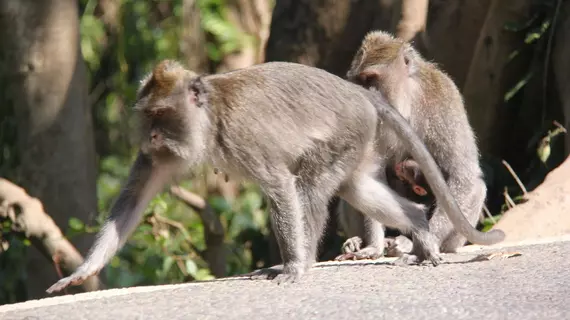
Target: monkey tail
(433, 174)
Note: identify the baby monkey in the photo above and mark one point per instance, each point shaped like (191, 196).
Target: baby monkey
(302, 134)
(408, 181)
(433, 105)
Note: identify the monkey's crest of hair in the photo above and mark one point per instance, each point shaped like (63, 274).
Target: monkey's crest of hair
(162, 80)
(382, 46)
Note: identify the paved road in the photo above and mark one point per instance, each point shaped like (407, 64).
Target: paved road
(534, 285)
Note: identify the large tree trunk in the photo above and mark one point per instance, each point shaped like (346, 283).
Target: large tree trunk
(253, 18)
(561, 64)
(193, 44)
(491, 74)
(453, 28)
(44, 81)
(324, 34)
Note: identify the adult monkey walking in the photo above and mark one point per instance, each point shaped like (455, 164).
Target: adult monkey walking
(303, 134)
(434, 107)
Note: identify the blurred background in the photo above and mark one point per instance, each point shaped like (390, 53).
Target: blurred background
(69, 71)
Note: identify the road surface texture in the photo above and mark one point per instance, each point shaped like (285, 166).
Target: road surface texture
(532, 285)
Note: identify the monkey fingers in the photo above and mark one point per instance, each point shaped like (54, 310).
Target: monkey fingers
(352, 245)
(367, 253)
(265, 273)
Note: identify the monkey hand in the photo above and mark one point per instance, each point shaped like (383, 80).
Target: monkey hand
(368, 253)
(352, 245)
(75, 279)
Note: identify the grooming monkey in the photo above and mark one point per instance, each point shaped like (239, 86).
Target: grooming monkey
(301, 133)
(433, 105)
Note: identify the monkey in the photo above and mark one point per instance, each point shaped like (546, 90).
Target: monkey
(429, 99)
(407, 179)
(302, 134)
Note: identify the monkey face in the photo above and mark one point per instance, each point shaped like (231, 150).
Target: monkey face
(165, 106)
(408, 171)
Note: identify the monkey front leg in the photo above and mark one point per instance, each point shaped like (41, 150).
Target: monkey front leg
(287, 223)
(145, 180)
(356, 225)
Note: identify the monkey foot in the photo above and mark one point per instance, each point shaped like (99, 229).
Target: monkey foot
(368, 253)
(396, 247)
(285, 278)
(407, 259)
(277, 274)
(266, 274)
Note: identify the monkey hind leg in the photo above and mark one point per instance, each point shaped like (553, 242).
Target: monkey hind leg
(378, 201)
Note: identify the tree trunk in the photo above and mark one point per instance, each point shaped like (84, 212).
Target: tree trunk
(561, 64)
(491, 74)
(324, 34)
(253, 18)
(193, 44)
(453, 28)
(44, 78)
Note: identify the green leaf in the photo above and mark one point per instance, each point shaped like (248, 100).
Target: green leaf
(191, 267)
(76, 224)
(167, 264)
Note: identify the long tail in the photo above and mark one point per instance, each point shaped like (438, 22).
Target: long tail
(433, 175)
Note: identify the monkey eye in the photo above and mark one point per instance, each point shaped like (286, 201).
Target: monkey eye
(406, 61)
(155, 112)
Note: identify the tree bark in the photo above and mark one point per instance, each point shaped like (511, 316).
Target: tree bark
(193, 44)
(452, 32)
(253, 18)
(561, 64)
(29, 218)
(44, 79)
(324, 34)
(491, 74)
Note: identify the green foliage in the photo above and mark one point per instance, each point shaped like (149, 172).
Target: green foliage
(169, 244)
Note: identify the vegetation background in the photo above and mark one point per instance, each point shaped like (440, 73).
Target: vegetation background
(68, 75)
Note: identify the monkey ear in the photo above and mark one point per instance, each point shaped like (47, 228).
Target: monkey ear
(368, 77)
(408, 56)
(419, 190)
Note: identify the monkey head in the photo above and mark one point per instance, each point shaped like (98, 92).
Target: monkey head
(409, 172)
(383, 62)
(170, 119)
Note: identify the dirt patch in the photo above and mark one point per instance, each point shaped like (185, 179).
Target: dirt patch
(547, 211)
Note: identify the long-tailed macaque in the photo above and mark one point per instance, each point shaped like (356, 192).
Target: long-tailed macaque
(433, 105)
(301, 133)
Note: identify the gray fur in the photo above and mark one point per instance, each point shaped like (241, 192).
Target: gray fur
(301, 133)
(436, 112)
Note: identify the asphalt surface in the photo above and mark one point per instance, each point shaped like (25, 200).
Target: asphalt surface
(533, 285)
